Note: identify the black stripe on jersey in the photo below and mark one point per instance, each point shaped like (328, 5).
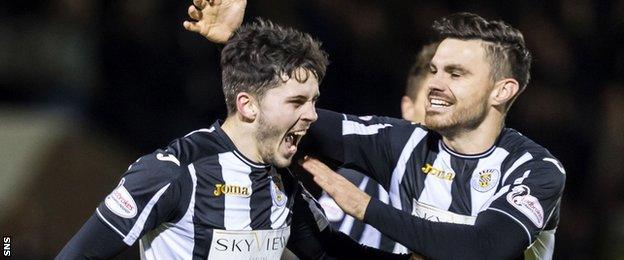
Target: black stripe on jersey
(460, 188)
(413, 178)
(185, 190)
(261, 200)
(208, 207)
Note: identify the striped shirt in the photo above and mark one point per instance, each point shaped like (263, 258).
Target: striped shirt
(515, 178)
(200, 198)
(363, 233)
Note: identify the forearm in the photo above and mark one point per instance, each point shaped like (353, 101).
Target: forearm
(341, 246)
(95, 240)
(493, 236)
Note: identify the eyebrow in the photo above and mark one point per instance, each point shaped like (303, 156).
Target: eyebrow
(456, 67)
(303, 98)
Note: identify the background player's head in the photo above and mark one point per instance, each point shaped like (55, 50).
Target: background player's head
(413, 102)
(271, 77)
(478, 70)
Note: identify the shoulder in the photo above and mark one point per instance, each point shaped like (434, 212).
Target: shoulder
(196, 145)
(531, 159)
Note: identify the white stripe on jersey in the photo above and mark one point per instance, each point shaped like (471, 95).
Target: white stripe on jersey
(543, 247)
(492, 162)
(501, 192)
(203, 130)
(165, 241)
(237, 210)
(279, 214)
(352, 127)
(347, 222)
(140, 222)
(371, 236)
(524, 158)
(437, 191)
(397, 176)
(521, 179)
(399, 169)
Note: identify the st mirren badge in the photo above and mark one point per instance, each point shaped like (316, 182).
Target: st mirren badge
(277, 191)
(485, 180)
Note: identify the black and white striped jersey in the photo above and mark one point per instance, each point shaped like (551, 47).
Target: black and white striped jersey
(361, 232)
(515, 178)
(202, 199)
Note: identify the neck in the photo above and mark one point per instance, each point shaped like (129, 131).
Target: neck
(243, 136)
(477, 140)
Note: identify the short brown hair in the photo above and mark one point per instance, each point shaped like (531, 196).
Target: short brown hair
(259, 55)
(505, 49)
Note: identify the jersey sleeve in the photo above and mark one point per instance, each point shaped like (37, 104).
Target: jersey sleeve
(493, 236)
(531, 195)
(370, 144)
(509, 224)
(148, 194)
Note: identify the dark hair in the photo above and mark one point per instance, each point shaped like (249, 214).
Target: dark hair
(419, 69)
(505, 49)
(261, 55)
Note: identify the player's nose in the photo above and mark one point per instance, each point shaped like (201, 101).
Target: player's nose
(309, 113)
(435, 84)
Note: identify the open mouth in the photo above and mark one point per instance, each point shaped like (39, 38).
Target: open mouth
(292, 139)
(439, 103)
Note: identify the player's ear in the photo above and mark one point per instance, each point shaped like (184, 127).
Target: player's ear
(407, 107)
(247, 106)
(504, 91)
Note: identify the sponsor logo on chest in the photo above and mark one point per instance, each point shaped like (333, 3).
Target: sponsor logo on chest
(252, 244)
(434, 214)
(445, 175)
(232, 190)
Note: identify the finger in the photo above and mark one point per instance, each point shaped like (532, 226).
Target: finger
(214, 2)
(323, 183)
(200, 4)
(191, 26)
(318, 165)
(194, 13)
(311, 165)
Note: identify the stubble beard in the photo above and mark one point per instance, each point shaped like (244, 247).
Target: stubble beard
(267, 137)
(464, 119)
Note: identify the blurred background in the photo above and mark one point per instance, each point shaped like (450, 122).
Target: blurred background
(86, 87)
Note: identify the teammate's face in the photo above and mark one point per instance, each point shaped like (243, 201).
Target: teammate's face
(459, 86)
(413, 107)
(285, 115)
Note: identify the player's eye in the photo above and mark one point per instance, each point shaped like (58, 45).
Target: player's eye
(455, 74)
(296, 103)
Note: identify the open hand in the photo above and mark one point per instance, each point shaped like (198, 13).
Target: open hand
(215, 19)
(349, 198)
